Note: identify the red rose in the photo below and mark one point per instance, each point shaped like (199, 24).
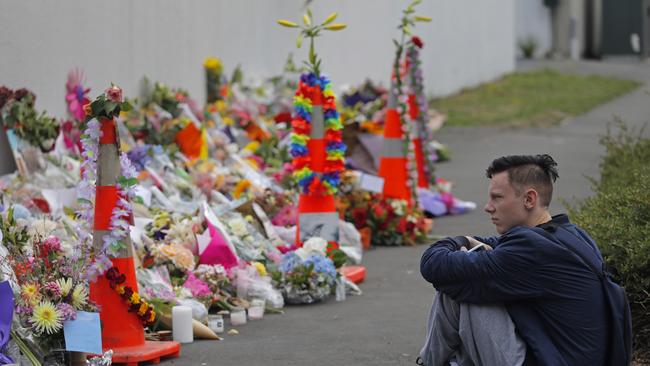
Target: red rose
(114, 94)
(5, 95)
(417, 41)
(378, 211)
(282, 117)
(360, 216)
(401, 225)
(22, 93)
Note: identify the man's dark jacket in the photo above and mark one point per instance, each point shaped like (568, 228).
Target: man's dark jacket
(555, 301)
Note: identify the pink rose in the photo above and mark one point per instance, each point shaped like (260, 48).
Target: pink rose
(114, 94)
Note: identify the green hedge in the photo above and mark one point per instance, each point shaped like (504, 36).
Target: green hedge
(618, 218)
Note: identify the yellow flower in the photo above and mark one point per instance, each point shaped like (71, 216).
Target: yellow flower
(135, 298)
(143, 308)
(287, 23)
(30, 293)
(214, 64)
(168, 251)
(253, 163)
(152, 317)
(220, 105)
(335, 26)
(228, 121)
(65, 284)
(241, 187)
(252, 146)
(330, 18)
(46, 318)
(79, 296)
(119, 289)
(260, 268)
(183, 258)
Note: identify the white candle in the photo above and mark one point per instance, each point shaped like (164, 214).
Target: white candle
(237, 317)
(256, 310)
(182, 324)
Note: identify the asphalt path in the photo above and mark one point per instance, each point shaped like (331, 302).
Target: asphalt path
(385, 326)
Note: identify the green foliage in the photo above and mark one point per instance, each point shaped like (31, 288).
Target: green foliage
(38, 130)
(338, 257)
(528, 46)
(102, 107)
(618, 218)
(532, 98)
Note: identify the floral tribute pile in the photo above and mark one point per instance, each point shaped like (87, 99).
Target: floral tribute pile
(207, 198)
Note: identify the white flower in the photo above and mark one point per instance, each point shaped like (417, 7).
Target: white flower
(313, 246)
(238, 227)
(41, 228)
(79, 297)
(65, 284)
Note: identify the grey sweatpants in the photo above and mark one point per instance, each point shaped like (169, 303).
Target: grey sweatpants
(473, 335)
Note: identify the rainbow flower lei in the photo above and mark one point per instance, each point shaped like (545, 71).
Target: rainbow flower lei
(311, 182)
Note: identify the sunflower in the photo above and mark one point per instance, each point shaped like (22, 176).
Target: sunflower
(46, 318)
(79, 296)
(65, 284)
(30, 293)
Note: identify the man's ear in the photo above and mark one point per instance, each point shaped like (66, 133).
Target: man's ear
(530, 198)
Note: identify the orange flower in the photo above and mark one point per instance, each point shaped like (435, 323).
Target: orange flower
(240, 188)
(152, 317)
(143, 308)
(87, 109)
(119, 289)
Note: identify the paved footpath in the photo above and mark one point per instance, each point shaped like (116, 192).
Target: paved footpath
(385, 326)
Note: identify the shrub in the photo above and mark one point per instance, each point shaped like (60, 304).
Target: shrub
(618, 218)
(528, 46)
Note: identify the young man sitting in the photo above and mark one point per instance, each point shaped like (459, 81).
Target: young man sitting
(523, 298)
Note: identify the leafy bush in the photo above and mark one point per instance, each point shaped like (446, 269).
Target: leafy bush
(618, 218)
(528, 46)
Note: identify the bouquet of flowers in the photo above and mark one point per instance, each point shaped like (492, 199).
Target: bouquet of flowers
(279, 206)
(306, 275)
(216, 278)
(213, 79)
(392, 221)
(50, 287)
(17, 112)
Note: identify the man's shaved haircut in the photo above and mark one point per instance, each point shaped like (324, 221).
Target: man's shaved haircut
(536, 171)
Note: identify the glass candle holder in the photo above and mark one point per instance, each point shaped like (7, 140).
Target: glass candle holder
(237, 316)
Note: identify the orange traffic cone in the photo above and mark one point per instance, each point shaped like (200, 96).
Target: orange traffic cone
(392, 166)
(317, 215)
(121, 330)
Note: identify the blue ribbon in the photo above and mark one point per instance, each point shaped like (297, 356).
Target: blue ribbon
(6, 315)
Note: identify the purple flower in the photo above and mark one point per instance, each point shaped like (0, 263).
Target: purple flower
(67, 311)
(139, 157)
(53, 288)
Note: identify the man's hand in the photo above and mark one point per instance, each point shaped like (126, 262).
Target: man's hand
(473, 242)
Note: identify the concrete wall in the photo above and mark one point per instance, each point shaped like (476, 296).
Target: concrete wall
(533, 19)
(467, 43)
